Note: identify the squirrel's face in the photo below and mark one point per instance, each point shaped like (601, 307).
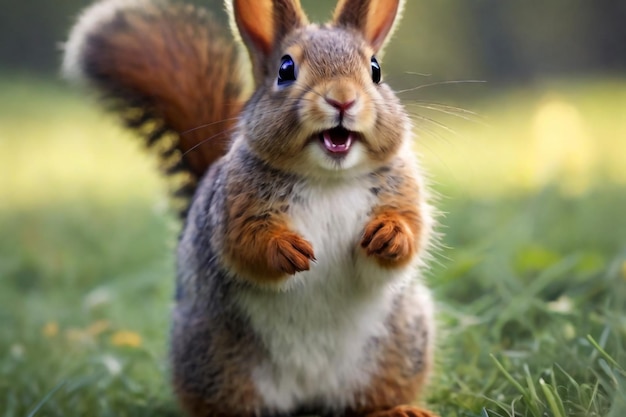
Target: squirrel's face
(323, 108)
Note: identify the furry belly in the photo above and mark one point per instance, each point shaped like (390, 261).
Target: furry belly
(317, 329)
(317, 341)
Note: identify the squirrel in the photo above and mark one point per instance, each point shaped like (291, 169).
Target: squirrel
(298, 266)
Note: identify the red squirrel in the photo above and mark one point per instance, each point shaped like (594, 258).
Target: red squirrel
(298, 268)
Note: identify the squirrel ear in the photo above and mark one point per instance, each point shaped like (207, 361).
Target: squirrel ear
(375, 19)
(262, 24)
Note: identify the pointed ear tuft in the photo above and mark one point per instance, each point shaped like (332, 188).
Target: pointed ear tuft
(262, 24)
(253, 20)
(375, 19)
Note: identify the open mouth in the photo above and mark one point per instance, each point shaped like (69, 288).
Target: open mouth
(338, 141)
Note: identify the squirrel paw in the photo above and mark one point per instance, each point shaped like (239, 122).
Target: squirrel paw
(388, 238)
(289, 253)
(403, 411)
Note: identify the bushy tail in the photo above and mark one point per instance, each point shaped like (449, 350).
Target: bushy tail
(170, 70)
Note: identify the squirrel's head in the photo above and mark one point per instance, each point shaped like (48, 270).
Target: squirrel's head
(320, 105)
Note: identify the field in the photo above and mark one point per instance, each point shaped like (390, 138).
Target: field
(530, 276)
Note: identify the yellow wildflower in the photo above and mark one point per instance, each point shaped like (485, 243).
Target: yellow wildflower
(624, 270)
(50, 329)
(126, 338)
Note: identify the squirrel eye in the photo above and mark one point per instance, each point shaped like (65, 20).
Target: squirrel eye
(375, 70)
(287, 71)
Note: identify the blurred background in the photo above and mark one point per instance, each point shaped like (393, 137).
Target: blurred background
(520, 113)
(549, 73)
(515, 42)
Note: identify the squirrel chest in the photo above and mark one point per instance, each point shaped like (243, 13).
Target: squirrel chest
(319, 326)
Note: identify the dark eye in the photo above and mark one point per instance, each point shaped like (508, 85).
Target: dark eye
(375, 71)
(287, 71)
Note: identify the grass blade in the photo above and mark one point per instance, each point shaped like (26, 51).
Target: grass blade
(45, 399)
(604, 354)
(556, 407)
(508, 376)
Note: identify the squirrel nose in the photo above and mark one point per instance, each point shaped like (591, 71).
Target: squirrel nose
(341, 106)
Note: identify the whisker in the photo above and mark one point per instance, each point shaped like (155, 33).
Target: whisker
(207, 125)
(455, 112)
(427, 149)
(427, 130)
(206, 140)
(262, 101)
(419, 87)
(421, 74)
(448, 106)
(436, 123)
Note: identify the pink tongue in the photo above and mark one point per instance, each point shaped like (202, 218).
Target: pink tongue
(337, 141)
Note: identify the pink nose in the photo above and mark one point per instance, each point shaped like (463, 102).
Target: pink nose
(342, 107)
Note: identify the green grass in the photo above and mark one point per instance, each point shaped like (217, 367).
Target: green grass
(535, 283)
(530, 278)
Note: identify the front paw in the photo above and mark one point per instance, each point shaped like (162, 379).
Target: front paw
(389, 240)
(288, 253)
(403, 411)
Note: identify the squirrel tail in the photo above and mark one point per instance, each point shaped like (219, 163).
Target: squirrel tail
(173, 74)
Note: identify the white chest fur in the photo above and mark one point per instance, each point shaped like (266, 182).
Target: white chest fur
(317, 328)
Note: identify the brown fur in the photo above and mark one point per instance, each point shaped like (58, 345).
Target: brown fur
(158, 63)
(197, 405)
(262, 25)
(255, 23)
(183, 98)
(377, 114)
(394, 232)
(232, 392)
(375, 18)
(259, 243)
(394, 384)
(403, 411)
(401, 376)
(391, 236)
